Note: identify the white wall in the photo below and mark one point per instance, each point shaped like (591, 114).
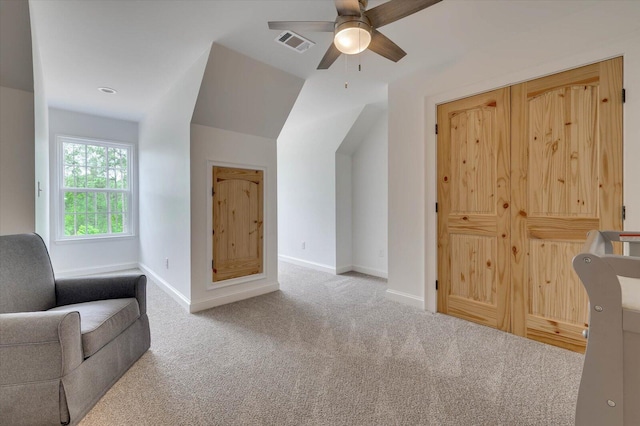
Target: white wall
(41, 117)
(369, 188)
(344, 196)
(17, 200)
(223, 147)
(98, 255)
(412, 109)
(307, 190)
(354, 235)
(165, 187)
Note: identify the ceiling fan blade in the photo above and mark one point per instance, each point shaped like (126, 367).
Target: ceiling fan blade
(313, 26)
(385, 47)
(393, 10)
(348, 7)
(330, 57)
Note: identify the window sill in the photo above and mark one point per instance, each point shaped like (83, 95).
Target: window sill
(100, 238)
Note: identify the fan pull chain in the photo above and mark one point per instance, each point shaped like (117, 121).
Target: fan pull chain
(346, 70)
(359, 54)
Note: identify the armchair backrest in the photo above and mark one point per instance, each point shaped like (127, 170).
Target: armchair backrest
(26, 276)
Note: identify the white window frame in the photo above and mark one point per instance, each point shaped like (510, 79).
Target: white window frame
(60, 189)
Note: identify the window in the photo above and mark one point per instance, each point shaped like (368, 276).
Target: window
(95, 195)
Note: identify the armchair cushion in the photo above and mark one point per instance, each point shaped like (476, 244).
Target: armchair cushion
(102, 321)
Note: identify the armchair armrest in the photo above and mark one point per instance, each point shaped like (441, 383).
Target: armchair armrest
(87, 289)
(37, 346)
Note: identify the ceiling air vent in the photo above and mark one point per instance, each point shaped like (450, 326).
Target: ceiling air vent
(294, 41)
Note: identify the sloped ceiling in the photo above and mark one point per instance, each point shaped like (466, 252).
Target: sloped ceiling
(367, 119)
(243, 95)
(141, 48)
(16, 63)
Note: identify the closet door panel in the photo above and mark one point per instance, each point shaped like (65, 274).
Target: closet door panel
(473, 221)
(566, 180)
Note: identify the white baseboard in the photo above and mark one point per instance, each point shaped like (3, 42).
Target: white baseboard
(331, 269)
(405, 298)
(370, 271)
(166, 287)
(307, 264)
(97, 270)
(343, 269)
(233, 297)
(196, 306)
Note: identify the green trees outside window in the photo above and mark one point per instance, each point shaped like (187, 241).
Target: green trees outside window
(95, 188)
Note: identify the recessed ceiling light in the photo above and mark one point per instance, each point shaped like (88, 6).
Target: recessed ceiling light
(107, 90)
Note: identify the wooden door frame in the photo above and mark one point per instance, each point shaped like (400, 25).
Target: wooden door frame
(211, 285)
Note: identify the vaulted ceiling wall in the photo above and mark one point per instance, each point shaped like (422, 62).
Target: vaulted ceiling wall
(243, 95)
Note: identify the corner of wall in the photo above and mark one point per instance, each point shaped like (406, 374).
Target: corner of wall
(41, 138)
(164, 184)
(176, 295)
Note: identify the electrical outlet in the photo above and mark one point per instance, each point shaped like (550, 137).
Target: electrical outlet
(166, 262)
(303, 245)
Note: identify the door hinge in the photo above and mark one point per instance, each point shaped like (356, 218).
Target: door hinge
(624, 212)
(212, 264)
(436, 129)
(212, 193)
(624, 95)
(436, 207)
(436, 284)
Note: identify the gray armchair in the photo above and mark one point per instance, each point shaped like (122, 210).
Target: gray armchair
(63, 343)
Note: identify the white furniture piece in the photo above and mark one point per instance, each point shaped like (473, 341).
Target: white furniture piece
(610, 387)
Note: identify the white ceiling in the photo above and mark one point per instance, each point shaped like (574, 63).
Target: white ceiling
(141, 47)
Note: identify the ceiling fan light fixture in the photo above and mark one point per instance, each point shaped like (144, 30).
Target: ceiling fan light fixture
(352, 37)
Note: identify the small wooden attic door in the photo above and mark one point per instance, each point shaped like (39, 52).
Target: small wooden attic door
(237, 222)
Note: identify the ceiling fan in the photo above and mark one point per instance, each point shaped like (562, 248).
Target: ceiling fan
(356, 29)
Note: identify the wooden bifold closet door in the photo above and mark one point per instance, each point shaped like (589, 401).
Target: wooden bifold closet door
(524, 172)
(473, 216)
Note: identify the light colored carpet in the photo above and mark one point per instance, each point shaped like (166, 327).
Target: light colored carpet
(332, 350)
